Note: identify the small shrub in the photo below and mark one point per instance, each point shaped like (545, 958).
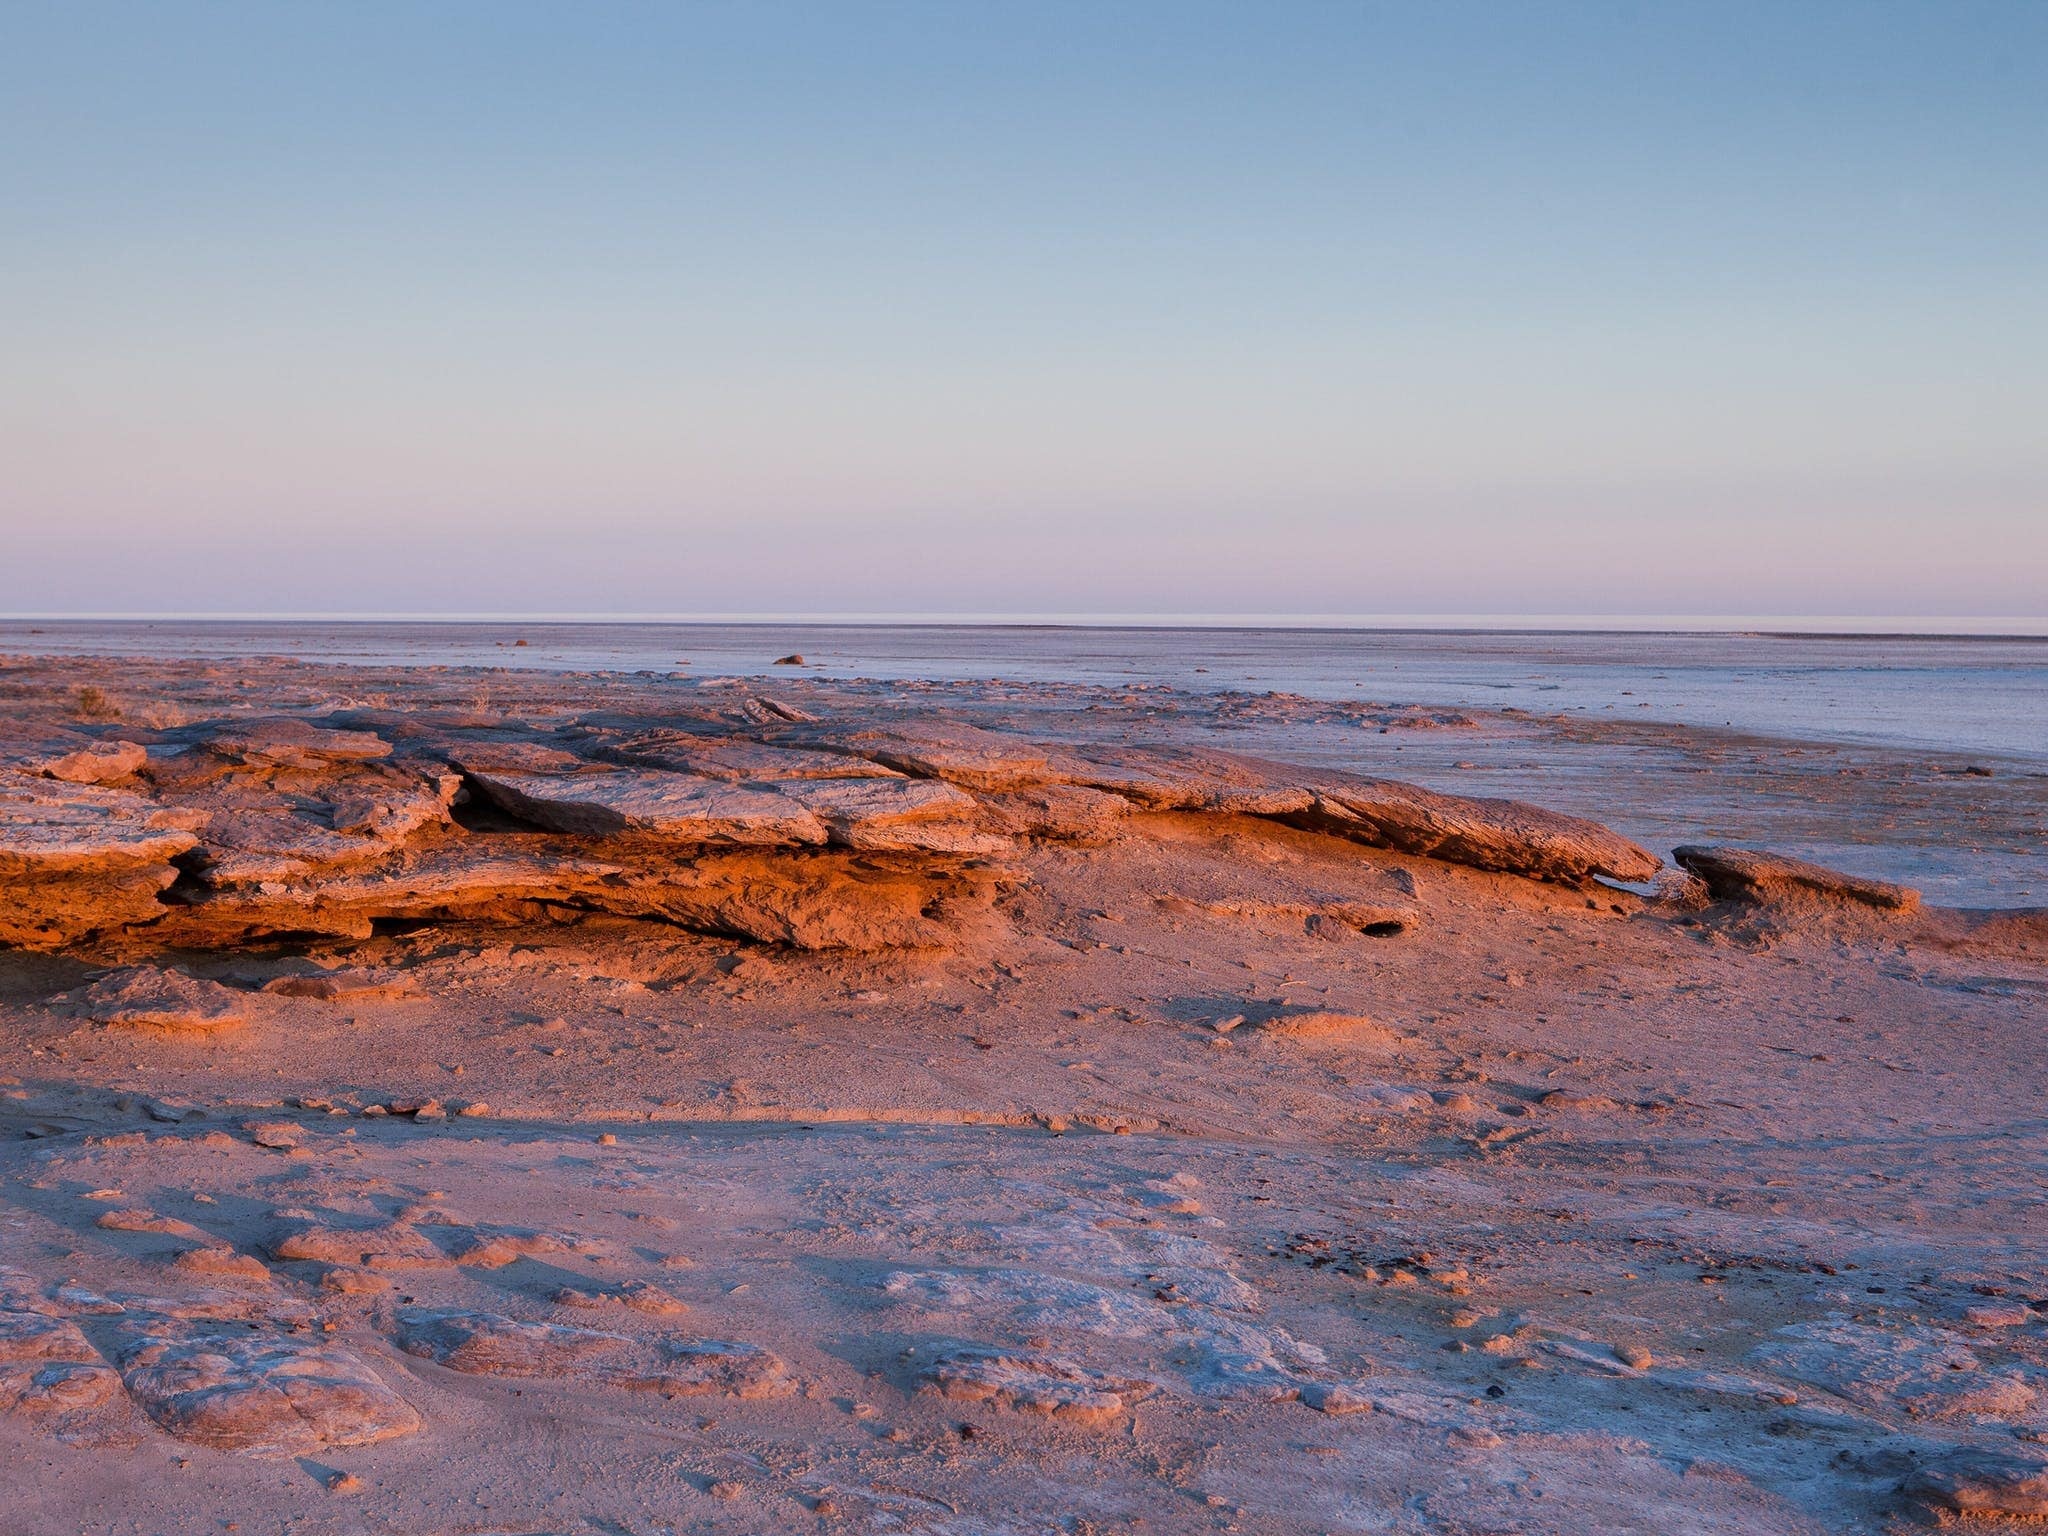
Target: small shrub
(91, 703)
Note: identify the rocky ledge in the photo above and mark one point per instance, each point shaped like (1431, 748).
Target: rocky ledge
(748, 817)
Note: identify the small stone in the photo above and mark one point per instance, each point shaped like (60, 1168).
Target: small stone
(1338, 1399)
(1634, 1356)
(344, 1482)
(1998, 1314)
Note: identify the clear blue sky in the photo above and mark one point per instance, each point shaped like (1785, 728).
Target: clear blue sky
(1066, 307)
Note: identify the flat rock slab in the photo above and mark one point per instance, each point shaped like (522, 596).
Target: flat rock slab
(255, 832)
(393, 1245)
(672, 806)
(1927, 1372)
(455, 883)
(144, 997)
(1186, 779)
(281, 826)
(1032, 1381)
(736, 759)
(490, 1344)
(1503, 835)
(959, 754)
(511, 757)
(1326, 1027)
(1746, 875)
(1068, 813)
(2011, 1483)
(47, 827)
(897, 815)
(339, 986)
(288, 742)
(716, 1368)
(267, 1393)
(638, 1295)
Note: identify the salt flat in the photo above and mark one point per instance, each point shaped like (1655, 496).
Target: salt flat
(1116, 1133)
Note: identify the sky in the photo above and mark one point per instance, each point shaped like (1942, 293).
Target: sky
(1080, 306)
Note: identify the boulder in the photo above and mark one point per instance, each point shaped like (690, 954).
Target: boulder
(99, 762)
(265, 1392)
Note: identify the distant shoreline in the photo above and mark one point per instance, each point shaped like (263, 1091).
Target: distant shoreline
(1947, 628)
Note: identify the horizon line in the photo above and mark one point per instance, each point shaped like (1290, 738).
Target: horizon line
(1841, 626)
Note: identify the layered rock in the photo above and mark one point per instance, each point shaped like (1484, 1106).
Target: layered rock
(674, 807)
(824, 900)
(79, 860)
(1744, 875)
(1503, 835)
(760, 823)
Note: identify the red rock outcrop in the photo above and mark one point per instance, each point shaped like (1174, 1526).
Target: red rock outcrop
(761, 823)
(1771, 879)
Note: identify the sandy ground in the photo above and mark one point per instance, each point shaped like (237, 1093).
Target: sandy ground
(1166, 1208)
